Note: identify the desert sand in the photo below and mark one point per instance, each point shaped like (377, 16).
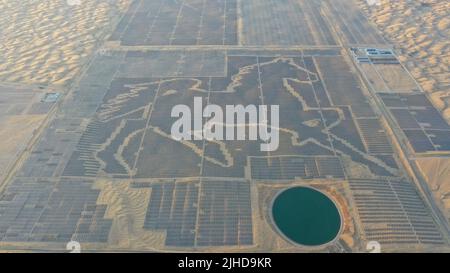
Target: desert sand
(127, 207)
(47, 42)
(420, 30)
(15, 132)
(437, 172)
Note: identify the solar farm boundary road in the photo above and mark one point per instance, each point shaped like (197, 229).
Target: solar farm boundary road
(115, 47)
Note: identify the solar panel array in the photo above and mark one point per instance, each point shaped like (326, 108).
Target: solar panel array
(392, 212)
(42, 210)
(423, 125)
(188, 22)
(207, 213)
(173, 207)
(291, 167)
(225, 216)
(374, 136)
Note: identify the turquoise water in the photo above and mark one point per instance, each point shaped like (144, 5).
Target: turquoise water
(306, 216)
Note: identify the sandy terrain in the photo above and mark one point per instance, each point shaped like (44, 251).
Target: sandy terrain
(396, 78)
(437, 172)
(421, 31)
(127, 206)
(15, 132)
(46, 42)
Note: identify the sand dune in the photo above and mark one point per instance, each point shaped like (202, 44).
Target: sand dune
(46, 42)
(437, 173)
(421, 31)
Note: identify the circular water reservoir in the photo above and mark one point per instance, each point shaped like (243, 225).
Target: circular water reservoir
(306, 216)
